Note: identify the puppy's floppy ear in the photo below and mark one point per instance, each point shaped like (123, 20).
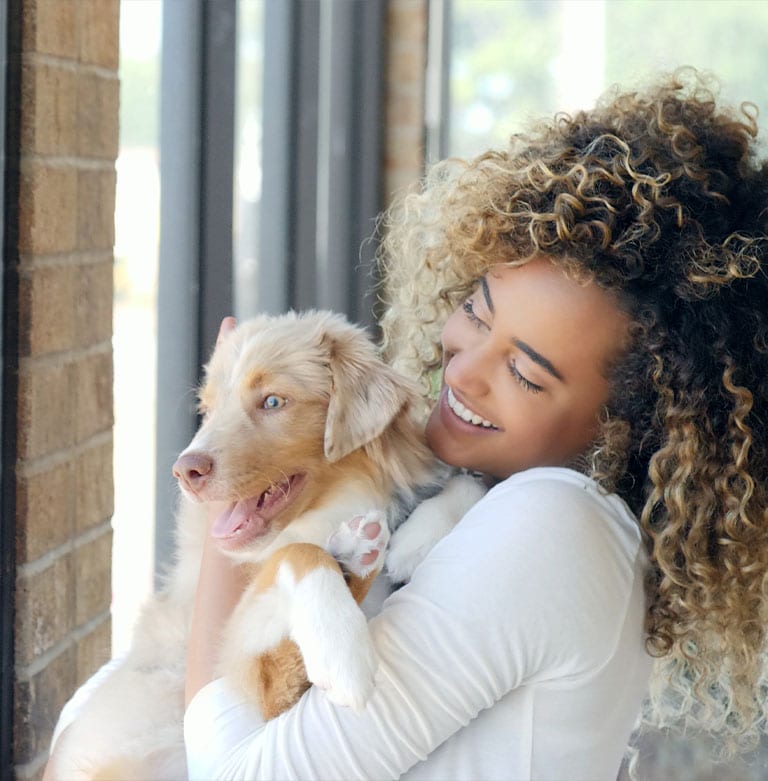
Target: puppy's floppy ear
(366, 394)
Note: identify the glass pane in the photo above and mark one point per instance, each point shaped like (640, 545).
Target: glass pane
(247, 196)
(520, 59)
(137, 211)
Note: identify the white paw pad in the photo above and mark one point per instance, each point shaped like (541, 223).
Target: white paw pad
(358, 543)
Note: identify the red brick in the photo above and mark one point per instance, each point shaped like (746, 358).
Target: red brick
(93, 650)
(47, 309)
(47, 404)
(93, 577)
(96, 209)
(49, 121)
(93, 305)
(99, 23)
(98, 102)
(50, 27)
(44, 505)
(37, 704)
(94, 494)
(44, 609)
(93, 413)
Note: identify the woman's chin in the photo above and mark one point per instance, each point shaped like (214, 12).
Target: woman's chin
(440, 443)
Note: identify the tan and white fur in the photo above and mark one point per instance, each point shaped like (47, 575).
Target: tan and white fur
(306, 435)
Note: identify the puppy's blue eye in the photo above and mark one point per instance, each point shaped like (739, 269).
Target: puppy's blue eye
(273, 402)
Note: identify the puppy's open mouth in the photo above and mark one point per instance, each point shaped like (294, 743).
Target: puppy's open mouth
(249, 519)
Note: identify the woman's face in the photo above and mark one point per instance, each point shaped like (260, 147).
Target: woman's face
(524, 365)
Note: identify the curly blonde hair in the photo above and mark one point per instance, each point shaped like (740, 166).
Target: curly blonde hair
(656, 195)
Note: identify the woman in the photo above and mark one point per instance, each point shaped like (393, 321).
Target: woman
(596, 298)
(606, 352)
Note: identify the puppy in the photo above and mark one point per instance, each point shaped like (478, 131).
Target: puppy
(306, 436)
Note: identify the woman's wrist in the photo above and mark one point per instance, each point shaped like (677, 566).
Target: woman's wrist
(219, 588)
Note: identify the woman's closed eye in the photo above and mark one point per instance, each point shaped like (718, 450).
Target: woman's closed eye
(531, 387)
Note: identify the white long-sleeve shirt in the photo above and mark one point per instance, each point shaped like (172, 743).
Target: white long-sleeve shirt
(515, 652)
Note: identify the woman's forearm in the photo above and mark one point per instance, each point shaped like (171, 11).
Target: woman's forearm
(219, 588)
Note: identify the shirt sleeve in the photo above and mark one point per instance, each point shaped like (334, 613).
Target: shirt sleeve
(528, 586)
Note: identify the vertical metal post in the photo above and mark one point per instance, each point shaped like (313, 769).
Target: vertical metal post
(279, 120)
(195, 269)
(178, 281)
(438, 82)
(368, 154)
(217, 131)
(349, 151)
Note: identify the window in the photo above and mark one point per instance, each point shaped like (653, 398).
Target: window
(221, 102)
(523, 59)
(137, 226)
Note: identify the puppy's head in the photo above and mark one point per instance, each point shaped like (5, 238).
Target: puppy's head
(283, 399)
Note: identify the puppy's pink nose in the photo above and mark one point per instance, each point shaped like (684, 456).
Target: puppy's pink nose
(193, 469)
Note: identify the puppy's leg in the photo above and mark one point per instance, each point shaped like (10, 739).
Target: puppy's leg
(299, 594)
(278, 678)
(256, 654)
(428, 524)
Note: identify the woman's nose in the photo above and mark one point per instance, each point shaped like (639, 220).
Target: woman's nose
(468, 371)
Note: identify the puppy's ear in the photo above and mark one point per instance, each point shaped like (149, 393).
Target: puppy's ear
(366, 395)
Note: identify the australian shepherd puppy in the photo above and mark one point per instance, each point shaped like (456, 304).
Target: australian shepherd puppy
(306, 437)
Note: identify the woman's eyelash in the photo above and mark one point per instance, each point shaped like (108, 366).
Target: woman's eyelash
(531, 387)
(470, 313)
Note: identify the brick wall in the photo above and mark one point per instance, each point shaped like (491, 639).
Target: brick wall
(404, 137)
(69, 141)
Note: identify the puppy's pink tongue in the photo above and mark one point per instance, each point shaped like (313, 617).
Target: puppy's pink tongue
(237, 517)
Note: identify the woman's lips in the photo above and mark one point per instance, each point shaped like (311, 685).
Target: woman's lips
(467, 414)
(454, 414)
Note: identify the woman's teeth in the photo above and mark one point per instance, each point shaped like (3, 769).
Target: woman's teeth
(467, 414)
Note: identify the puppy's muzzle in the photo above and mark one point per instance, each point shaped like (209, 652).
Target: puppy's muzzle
(192, 470)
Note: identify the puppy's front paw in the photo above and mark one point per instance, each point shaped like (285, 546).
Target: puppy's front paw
(359, 542)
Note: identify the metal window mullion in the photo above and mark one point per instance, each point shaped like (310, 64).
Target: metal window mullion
(349, 152)
(334, 147)
(278, 121)
(438, 80)
(217, 159)
(195, 268)
(303, 137)
(368, 122)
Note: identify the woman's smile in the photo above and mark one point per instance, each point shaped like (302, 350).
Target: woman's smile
(525, 360)
(465, 413)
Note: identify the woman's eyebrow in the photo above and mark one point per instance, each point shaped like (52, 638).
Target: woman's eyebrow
(486, 294)
(537, 358)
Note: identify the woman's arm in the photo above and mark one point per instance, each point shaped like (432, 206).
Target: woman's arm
(497, 601)
(219, 588)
